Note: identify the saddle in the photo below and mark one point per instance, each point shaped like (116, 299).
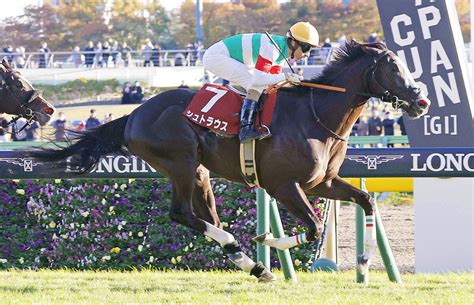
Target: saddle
(217, 108)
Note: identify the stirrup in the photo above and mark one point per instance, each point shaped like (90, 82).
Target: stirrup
(248, 136)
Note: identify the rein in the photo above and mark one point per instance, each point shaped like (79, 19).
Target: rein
(318, 120)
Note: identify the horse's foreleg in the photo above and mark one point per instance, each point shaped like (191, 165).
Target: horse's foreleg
(292, 197)
(338, 189)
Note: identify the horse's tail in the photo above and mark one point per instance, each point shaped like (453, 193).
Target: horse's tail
(88, 147)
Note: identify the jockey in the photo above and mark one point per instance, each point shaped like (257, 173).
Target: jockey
(253, 62)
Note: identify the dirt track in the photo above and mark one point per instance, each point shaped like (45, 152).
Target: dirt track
(400, 227)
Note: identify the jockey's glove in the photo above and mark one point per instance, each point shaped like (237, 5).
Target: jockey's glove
(293, 78)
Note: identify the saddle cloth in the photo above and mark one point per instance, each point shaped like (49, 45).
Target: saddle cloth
(218, 109)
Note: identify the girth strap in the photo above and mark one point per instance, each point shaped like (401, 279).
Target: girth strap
(247, 163)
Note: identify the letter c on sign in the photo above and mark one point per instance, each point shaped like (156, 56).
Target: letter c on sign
(397, 36)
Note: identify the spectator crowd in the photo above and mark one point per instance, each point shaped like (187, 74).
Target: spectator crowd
(109, 53)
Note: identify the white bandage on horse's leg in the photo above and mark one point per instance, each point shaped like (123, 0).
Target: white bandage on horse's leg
(370, 237)
(230, 246)
(242, 261)
(286, 242)
(219, 235)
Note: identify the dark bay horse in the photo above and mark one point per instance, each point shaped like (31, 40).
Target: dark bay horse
(302, 158)
(18, 97)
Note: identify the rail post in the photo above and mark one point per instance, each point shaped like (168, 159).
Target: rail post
(360, 237)
(269, 217)
(263, 225)
(283, 255)
(382, 242)
(386, 250)
(331, 235)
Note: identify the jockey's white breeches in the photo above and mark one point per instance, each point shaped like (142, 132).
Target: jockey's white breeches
(217, 60)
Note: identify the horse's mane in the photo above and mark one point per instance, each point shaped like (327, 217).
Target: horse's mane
(341, 57)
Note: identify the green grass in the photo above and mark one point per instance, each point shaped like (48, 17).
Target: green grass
(153, 287)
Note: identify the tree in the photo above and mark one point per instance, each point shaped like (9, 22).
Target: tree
(36, 25)
(160, 27)
(83, 21)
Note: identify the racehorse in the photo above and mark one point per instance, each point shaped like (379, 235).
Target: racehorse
(19, 97)
(310, 128)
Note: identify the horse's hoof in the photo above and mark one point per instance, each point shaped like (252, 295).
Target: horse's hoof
(266, 277)
(363, 264)
(262, 237)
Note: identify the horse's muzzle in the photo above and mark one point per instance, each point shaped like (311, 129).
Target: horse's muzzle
(418, 107)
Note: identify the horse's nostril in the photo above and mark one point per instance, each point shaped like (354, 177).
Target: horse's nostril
(422, 103)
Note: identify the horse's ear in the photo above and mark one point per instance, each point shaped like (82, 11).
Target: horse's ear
(5, 64)
(370, 50)
(3, 68)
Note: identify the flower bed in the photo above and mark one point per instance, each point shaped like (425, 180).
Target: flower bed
(120, 224)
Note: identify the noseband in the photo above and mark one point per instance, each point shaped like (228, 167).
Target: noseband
(7, 83)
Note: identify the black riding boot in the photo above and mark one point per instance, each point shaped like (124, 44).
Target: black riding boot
(247, 116)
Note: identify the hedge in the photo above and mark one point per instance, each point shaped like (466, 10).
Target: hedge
(121, 224)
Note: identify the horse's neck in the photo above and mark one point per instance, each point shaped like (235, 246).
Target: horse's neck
(339, 111)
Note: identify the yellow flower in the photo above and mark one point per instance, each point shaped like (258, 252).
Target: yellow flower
(16, 180)
(140, 248)
(106, 258)
(178, 258)
(21, 260)
(130, 233)
(151, 259)
(115, 250)
(57, 181)
(123, 186)
(85, 214)
(3, 260)
(52, 225)
(173, 261)
(64, 236)
(20, 191)
(131, 180)
(140, 234)
(297, 262)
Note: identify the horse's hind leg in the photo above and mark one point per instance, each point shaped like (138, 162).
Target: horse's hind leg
(182, 178)
(338, 189)
(204, 203)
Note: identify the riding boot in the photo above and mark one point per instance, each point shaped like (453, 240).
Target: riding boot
(247, 116)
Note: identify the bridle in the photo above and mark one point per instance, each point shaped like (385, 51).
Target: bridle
(8, 83)
(388, 95)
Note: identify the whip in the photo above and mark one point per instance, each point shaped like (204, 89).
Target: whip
(279, 50)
